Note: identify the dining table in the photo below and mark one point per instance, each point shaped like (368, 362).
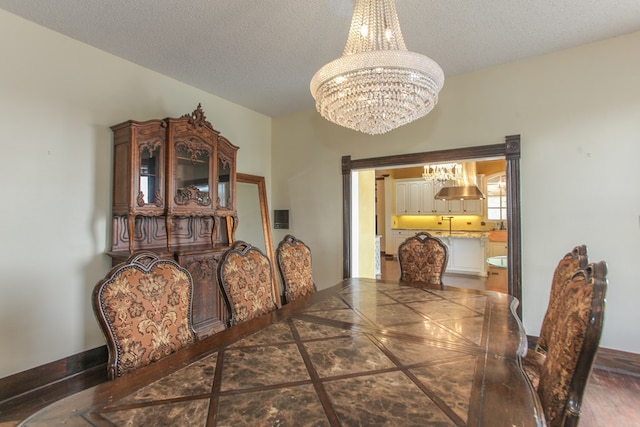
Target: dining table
(365, 352)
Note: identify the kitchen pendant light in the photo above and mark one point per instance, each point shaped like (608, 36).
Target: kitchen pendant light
(442, 172)
(377, 85)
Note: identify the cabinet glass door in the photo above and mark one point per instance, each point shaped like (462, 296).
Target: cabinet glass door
(192, 176)
(149, 190)
(224, 175)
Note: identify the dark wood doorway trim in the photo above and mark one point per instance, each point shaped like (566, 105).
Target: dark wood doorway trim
(510, 150)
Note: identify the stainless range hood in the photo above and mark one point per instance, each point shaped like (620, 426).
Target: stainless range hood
(470, 192)
(464, 188)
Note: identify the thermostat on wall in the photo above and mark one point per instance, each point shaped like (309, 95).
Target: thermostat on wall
(281, 219)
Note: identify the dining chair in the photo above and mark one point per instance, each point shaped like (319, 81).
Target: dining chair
(573, 344)
(568, 265)
(294, 264)
(423, 258)
(572, 262)
(143, 307)
(245, 277)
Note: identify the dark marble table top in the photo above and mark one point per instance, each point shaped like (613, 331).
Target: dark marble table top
(362, 353)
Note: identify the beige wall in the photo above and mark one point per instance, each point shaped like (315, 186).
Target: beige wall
(58, 98)
(578, 112)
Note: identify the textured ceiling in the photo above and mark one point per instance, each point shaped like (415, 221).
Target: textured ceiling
(262, 53)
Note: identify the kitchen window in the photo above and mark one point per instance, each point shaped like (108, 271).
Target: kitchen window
(497, 197)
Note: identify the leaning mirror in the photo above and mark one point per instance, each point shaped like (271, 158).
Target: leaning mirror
(253, 218)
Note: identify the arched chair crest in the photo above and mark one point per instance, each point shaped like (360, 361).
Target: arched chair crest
(143, 307)
(423, 258)
(294, 264)
(245, 278)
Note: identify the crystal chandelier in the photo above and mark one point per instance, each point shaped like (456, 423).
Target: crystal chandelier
(377, 85)
(442, 172)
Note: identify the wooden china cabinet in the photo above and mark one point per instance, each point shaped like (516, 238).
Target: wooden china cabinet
(174, 182)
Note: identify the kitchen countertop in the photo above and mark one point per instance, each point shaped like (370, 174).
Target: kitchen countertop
(498, 261)
(469, 234)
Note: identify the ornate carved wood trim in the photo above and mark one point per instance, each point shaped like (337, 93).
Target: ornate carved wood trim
(198, 118)
(514, 237)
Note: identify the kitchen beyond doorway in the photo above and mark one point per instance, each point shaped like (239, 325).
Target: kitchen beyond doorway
(391, 271)
(350, 168)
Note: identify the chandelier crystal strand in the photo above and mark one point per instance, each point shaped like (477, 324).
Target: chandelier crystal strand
(442, 172)
(377, 85)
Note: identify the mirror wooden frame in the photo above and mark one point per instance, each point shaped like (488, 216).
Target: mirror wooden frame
(510, 150)
(266, 225)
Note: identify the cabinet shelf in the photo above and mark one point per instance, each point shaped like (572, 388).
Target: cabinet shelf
(192, 161)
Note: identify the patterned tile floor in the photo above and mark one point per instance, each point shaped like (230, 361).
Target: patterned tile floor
(372, 355)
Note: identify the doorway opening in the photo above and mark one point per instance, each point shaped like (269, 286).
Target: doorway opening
(509, 151)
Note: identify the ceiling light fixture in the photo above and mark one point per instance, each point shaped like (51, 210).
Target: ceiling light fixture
(442, 172)
(377, 85)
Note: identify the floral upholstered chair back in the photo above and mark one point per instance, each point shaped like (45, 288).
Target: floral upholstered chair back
(572, 345)
(571, 263)
(144, 309)
(245, 276)
(423, 258)
(294, 265)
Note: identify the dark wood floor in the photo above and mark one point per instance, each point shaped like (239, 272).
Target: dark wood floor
(611, 398)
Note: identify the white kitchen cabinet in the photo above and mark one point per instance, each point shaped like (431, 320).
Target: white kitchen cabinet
(452, 207)
(414, 197)
(402, 197)
(467, 255)
(408, 197)
(496, 248)
(472, 207)
(399, 236)
(447, 243)
(458, 207)
(429, 189)
(441, 207)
